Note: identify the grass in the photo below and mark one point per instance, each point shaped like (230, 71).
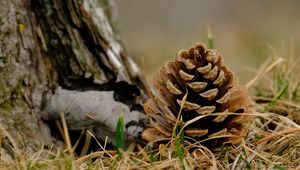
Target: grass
(273, 141)
(120, 134)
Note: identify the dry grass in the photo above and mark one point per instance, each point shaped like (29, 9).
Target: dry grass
(273, 141)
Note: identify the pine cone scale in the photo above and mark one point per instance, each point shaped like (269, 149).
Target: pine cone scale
(188, 106)
(197, 86)
(210, 94)
(196, 132)
(205, 69)
(220, 79)
(172, 88)
(186, 76)
(212, 74)
(206, 110)
(224, 98)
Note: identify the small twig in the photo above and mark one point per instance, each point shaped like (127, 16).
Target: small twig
(60, 130)
(86, 145)
(66, 133)
(79, 139)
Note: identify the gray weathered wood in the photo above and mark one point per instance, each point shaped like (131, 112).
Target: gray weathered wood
(96, 109)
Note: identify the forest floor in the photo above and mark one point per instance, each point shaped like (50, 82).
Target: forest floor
(273, 140)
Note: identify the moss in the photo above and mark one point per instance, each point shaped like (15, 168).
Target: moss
(4, 88)
(11, 97)
(17, 93)
(6, 106)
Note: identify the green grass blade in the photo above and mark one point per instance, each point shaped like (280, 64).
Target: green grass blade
(296, 90)
(150, 152)
(120, 133)
(210, 38)
(181, 134)
(278, 167)
(179, 142)
(278, 96)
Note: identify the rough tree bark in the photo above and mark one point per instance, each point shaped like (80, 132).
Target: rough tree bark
(58, 53)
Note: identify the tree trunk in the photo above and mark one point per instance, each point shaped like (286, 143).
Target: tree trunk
(53, 51)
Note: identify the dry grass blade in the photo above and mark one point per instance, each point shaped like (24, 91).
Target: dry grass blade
(235, 162)
(143, 152)
(179, 114)
(5, 133)
(165, 164)
(288, 103)
(97, 154)
(214, 161)
(258, 154)
(103, 148)
(264, 71)
(215, 114)
(274, 134)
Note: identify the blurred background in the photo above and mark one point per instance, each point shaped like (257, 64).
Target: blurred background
(245, 32)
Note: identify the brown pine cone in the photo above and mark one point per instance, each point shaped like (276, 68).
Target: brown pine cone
(211, 88)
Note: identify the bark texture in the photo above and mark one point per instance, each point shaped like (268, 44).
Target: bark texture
(22, 79)
(68, 44)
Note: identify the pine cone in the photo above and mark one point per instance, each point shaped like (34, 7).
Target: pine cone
(211, 88)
